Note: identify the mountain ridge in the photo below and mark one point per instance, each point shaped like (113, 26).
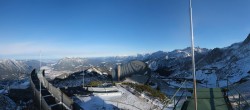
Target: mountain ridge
(227, 61)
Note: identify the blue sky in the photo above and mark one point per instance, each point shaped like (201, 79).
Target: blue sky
(92, 28)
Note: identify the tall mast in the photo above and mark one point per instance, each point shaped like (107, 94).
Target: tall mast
(40, 61)
(40, 83)
(82, 75)
(192, 46)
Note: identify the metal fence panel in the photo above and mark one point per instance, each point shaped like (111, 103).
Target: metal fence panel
(66, 100)
(55, 92)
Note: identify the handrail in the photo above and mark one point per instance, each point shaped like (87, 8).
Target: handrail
(60, 96)
(44, 83)
(178, 100)
(123, 103)
(237, 92)
(168, 101)
(241, 96)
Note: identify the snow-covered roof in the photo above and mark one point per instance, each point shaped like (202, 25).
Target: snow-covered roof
(102, 89)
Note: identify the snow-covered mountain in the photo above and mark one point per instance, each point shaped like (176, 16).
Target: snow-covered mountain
(159, 56)
(175, 60)
(232, 61)
(76, 64)
(11, 69)
(69, 63)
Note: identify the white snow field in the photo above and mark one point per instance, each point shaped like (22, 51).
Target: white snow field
(126, 100)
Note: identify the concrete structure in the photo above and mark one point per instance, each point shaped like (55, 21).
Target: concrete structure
(128, 69)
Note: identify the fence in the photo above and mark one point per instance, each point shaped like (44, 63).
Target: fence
(173, 98)
(57, 93)
(238, 101)
(50, 97)
(36, 90)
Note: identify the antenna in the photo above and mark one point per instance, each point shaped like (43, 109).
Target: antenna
(83, 75)
(40, 60)
(40, 83)
(193, 60)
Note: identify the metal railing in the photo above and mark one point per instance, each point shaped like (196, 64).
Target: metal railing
(173, 99)
(56, 93)
(117, 102)
(238, 100)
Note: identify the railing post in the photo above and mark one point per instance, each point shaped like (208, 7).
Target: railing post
(217, 83)
(174, 101)
(239, 101)
(186, 91)
(206, 84)
(227, 86)
(227, 83)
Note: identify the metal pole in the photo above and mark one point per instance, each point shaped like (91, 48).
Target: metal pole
(227, 83)
(174, 102)
(83, 75)
(40, 85)
(227, 87)
(239, 101)
(193, 60)
(186, 91)
(83, 80)
(40, 61)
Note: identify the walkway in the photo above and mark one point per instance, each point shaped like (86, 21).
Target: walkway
(208, 99)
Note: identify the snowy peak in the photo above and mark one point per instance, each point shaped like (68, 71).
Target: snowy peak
(67, 59)
(183, 53)
(196, 49)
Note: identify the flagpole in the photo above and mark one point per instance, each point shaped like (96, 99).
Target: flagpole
(40, 84)
(193, 58)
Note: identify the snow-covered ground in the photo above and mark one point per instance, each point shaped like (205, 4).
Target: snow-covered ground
(126, 101)
(207, 80)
